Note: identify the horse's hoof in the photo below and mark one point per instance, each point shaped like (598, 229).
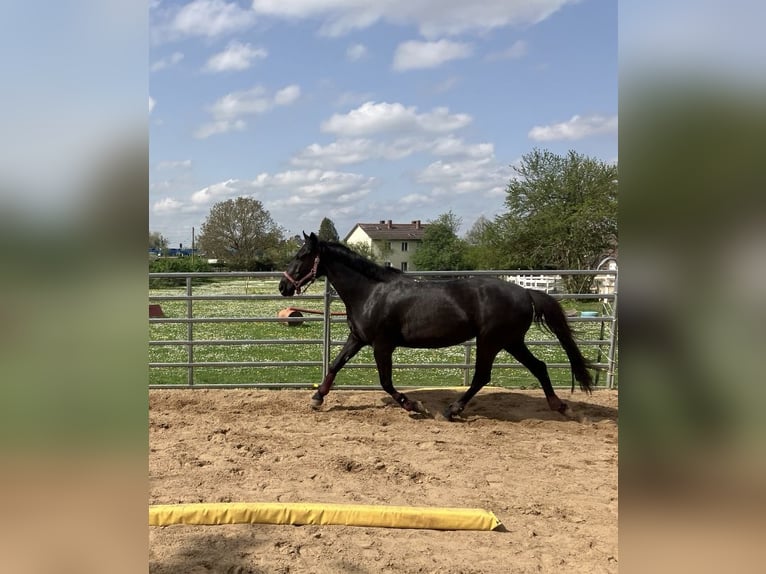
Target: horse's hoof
(572, 414)
(420, 408)
(447, 415)
(316, 405)
(443, 416)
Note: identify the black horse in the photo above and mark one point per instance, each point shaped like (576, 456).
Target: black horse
(387, 309)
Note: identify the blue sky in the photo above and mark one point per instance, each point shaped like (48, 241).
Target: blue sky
(366, 110)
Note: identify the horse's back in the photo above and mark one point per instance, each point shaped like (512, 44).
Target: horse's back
(501, 304)
(437, 313)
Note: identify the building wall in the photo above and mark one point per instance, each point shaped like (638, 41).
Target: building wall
(395, 256)
(359, 236)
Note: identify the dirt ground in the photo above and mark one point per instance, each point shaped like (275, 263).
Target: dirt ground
(552, 481)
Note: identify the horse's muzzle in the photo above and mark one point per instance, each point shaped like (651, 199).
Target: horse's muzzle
(286, 288)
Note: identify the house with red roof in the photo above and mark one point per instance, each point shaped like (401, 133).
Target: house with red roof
(391, 243)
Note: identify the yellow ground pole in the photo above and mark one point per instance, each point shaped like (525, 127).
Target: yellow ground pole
(321, 513)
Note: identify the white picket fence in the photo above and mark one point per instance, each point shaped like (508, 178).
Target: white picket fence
(541, 282)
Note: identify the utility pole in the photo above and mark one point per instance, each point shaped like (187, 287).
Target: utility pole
(192, 247)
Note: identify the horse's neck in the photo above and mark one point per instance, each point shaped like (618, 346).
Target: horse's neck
(352, 285)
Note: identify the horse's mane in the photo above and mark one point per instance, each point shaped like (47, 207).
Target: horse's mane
(361, 263)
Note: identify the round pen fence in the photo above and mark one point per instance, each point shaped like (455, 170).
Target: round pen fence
(234, 330)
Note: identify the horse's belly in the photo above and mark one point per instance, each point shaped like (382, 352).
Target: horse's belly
(435, 334)
(435, 343)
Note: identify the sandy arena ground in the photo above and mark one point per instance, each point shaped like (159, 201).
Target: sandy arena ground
(552, 481)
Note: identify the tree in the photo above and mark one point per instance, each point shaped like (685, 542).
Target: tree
(241, 232)
(327, 231)
(363, 249)
(286, 251)
(157, 241)
(484, 250)
(441, 249)
(475, 235)
(562, 214)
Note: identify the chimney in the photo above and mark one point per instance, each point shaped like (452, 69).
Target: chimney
(389, 224)
(417, 223)
(382, 221)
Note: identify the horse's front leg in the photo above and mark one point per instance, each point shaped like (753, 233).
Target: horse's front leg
(384, 361)
(350, 348)
(485, 356)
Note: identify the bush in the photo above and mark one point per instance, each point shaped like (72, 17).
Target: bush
(177, 265)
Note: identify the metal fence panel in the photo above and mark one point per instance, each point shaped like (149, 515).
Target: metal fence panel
(546, 280)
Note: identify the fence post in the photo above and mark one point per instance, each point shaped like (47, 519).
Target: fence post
(467, 371)
(326, 333)
(600, 338)
(612, 337)
(189, 332)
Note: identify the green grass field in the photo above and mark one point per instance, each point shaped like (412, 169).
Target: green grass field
(510, 377)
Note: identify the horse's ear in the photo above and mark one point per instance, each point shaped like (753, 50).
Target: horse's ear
(311, 240)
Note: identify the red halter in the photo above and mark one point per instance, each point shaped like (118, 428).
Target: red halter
(306, 280)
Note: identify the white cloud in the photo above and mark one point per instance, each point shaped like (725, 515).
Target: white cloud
(356, 52)
(578, 127)
(166, 205)
(300, 199)
(293, 187)
(516, 51)
(357, 150)
(452, 146)
(290, 189)
(446, 85)
(236, 57)
(219, 127)
(481, 175)
(309, 185)
(416, 200)
(252, 102)
(416, 55)
(341, 152)
(440, 121)
(228, 111)
(167, 62)
(433, 18)
(177, 164)
(441, 171)
(201, 18)
(287, 95)
(152, 103)
(372, 118)
(222, 191)
(158, 186)
(246, 102)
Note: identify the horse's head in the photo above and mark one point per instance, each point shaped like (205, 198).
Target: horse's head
(302, 270)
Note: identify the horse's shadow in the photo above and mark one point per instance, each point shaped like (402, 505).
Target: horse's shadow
(350, 408)
(503, 406)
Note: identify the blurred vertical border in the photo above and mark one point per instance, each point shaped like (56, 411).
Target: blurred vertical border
(73, 342)
(693, 286)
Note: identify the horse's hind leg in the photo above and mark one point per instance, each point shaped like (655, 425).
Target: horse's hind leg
(384, 360)
(485, 356)
(537, 367)
(350, 348)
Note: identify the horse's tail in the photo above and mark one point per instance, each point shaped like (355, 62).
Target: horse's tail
(550, 316)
